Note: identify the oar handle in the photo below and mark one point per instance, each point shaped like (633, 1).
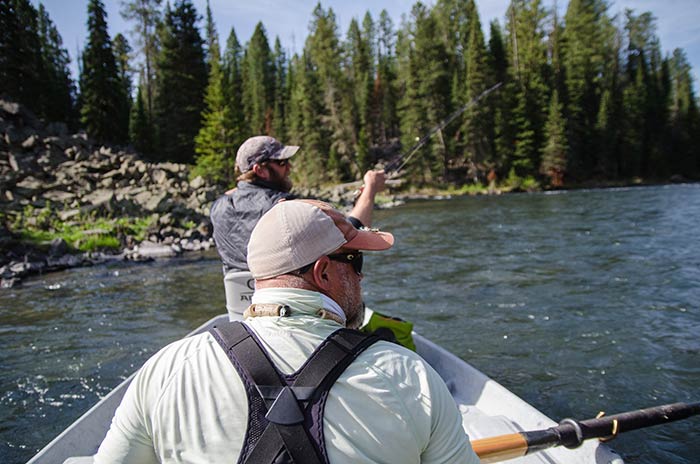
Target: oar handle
(500, 448)
(572, 433)
(515, 445)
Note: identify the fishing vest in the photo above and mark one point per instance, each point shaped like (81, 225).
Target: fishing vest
(285, 412)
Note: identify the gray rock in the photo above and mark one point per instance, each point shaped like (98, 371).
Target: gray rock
(30, 183)
(69, 214)
(13, 161)
(172, 167)
(20, 269)
(59, 196)
(159, 176)
(9, 107)
(154, 202)
(197, 183)
(101, 197)
(9, 282)
(155, 250)
(59, 247)
(30, 142)
(65, 261)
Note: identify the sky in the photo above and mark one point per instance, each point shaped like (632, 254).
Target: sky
(678, 21)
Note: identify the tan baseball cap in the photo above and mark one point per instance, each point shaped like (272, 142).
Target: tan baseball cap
(295, 233)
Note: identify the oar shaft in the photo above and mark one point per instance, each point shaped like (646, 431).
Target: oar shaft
(633, 420)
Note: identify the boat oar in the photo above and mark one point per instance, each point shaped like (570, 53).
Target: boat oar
(571, 433)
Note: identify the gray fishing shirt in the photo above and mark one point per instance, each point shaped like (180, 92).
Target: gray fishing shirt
(234, 216)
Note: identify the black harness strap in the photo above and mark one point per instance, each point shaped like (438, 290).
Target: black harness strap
(286, 411)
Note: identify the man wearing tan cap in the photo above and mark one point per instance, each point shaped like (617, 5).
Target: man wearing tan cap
(290, 383)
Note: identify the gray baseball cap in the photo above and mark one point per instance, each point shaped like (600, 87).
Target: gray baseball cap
(261, 148)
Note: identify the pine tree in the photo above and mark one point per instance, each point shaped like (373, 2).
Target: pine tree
(584, 42)
(384, 93)
(478, 119)
(528, 69)
(358, 105)
(454, 22)
(58, 89)
(634, 101)
(503, 127)
(21, 64)
(182, 79)
(610, 117)
(122, 53)
(280, 91)
(604, 135)
(258, 77)
(323, 49)
(426, 94)
(147, 16)
(640, 96)
(455, 19)
(216, 159)
(306, 128)
(233, 87)
(140, 127)
(685, 123)
(211, 36)
(104, 111)
(554, 152)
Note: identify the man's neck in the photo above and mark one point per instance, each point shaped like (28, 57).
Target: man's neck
(268, 184)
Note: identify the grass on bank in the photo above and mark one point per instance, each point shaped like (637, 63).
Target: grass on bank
(512, 183)
(84, 232)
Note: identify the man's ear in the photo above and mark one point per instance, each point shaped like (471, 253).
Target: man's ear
(320, 273)
(261, 171)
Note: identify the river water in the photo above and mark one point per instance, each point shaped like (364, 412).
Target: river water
(578, 302)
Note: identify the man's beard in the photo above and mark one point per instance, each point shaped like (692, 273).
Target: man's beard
(283, 183)
(350, 300)
(355, 318)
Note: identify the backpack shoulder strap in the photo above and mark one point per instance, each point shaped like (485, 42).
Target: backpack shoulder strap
(286, 412)
(332, 357)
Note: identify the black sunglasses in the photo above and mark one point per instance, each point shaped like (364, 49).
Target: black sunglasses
(280, 163)
(354, 258)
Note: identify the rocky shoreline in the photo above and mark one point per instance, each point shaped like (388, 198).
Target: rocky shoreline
(49, 177)
(48, 174)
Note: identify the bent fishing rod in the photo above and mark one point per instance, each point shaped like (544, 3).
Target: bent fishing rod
(397, 165)
(571, 433)
(393, 168)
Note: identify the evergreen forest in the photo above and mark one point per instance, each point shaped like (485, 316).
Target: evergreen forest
(585, 98)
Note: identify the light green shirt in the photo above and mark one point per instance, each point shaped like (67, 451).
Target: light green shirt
(187, 404)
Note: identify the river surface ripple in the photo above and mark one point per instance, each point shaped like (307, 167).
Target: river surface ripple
(577, 302)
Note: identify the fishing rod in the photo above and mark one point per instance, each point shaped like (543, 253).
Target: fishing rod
(571, 433)
(396, 166)
(393, 168)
